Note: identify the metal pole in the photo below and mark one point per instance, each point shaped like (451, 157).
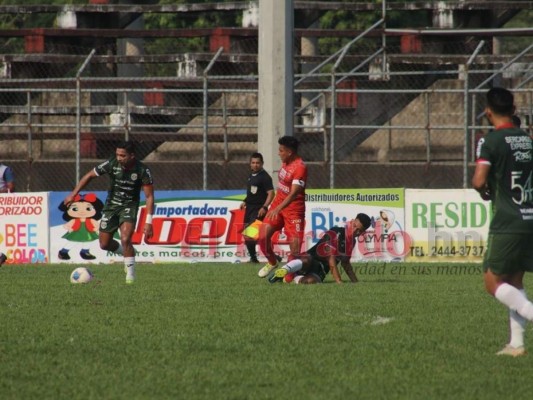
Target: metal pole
(78, 112)
(466, 111)
(473, 121)
(358, 67)
(518, 56)
(225, 123)
(428, 131)
(205, 116)
(126, 117)
(384, 38)
(332, 132)
(327, 60)
(30, 142)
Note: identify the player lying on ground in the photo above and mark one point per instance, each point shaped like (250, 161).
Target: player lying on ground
(335, 246)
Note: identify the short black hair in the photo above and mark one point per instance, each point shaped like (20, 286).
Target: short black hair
(257, 155)
(127, 145)
(364, 219)
(289, 141)
(500, 101)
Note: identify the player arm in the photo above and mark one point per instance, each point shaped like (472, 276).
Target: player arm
(480, 179)
(347, 266)
(84, 181)
(264, 209)
(270, 197)
(149, 195)
(332, 261)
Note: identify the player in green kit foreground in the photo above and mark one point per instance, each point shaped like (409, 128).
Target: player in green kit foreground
(336, 245)
(503, 174)
(127, 176)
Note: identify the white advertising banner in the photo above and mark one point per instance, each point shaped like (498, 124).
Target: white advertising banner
(197, 226)
(24, 227)
(385, 240)
(446, 225)
(188, 226)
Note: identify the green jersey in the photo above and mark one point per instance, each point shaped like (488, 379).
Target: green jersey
(509, 152)
(124, 183)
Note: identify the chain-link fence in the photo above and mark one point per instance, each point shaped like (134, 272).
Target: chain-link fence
(384, 118)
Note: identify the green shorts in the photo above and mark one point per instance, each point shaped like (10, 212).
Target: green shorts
(113, 216)
(508, 253)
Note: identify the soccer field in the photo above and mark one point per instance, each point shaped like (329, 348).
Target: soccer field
(217, 331)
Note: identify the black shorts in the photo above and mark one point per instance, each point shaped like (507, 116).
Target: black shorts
(250, 213)
(318, 268)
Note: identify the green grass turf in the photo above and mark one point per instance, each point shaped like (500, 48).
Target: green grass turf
(217, 331)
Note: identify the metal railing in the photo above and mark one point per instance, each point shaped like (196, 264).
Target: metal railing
(205, 127)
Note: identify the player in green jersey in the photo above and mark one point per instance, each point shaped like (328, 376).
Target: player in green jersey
(127, 176)
(503, 174)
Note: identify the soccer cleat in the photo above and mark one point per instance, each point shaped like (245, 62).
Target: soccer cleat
(267, 269)
(130, 273)
(278, 275)
(509, 350)
(254, 260)
(3, 258)
(279, 258)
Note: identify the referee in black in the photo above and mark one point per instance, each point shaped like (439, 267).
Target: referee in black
(259, 195)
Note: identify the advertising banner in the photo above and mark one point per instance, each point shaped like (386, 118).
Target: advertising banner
(385, 240)
(446, 225)
(24, 227)
(188, 226)
(196, 226)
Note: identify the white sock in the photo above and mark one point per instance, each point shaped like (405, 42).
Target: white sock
(129, 266)
(119, 250)
(293, 266)
(517, 325)
(514, 300)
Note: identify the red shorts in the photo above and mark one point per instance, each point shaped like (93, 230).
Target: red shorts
(292, 221)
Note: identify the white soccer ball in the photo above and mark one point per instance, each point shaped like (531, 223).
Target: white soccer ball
(81, 275)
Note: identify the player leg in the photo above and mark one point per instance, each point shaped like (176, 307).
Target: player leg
(126, 232)
(294, 225)
(313, 272)
(127, 221)
(293, 266)
(250, 246)
(107, 242)
(517, 323)
(109, 224)
(520, 309)
(249, 217)
(505, 282)
(266, 231)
